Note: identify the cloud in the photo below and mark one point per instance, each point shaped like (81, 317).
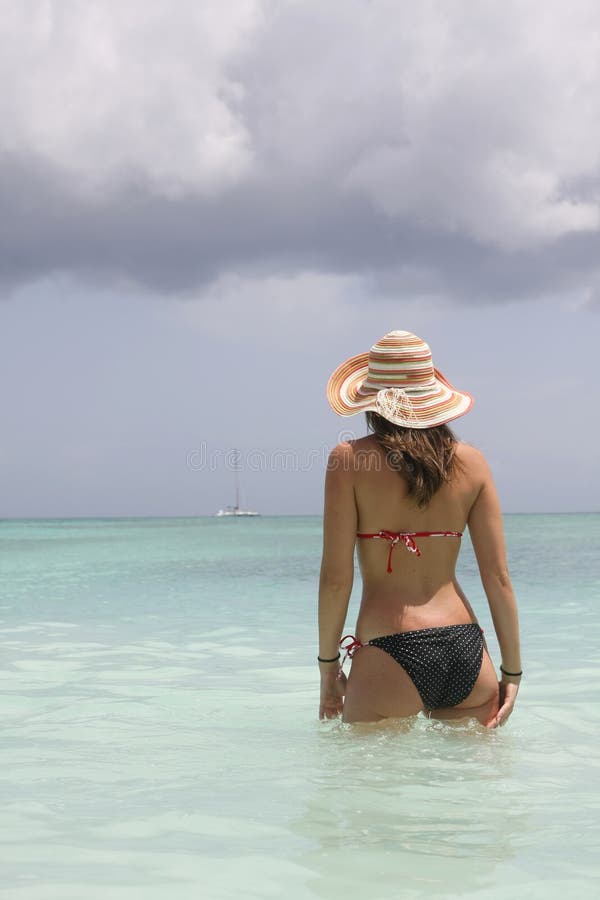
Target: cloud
(111, 92)
(440, 148)
(239, 308)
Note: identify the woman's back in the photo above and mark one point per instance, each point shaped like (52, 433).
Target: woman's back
(422, 587)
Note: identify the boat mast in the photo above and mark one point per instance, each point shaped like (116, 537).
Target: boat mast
(236, 466)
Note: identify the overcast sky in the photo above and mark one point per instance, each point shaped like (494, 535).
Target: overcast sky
(206, 207)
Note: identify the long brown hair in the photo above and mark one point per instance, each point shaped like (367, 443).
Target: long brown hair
(425, 457)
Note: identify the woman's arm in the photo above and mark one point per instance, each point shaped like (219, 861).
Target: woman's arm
(487, 535)
(337, 570)
(339, 537)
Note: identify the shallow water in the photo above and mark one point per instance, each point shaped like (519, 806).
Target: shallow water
(160, 735)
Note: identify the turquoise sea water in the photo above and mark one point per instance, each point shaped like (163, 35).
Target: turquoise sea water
(160, 736)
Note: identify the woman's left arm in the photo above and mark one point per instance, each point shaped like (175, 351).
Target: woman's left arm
(337, 572)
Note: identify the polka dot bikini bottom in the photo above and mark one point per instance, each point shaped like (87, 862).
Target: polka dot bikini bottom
(442, 662)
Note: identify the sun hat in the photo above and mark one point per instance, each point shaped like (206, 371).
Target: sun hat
(397, 380)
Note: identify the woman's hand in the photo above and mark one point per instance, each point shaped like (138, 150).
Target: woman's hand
(508, 695)
(333, 688)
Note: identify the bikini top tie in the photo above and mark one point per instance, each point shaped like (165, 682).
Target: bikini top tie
(407, 538)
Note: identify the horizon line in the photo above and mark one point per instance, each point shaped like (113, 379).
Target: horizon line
(578, 512)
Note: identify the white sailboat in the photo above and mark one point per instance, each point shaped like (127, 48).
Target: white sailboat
(236, 510)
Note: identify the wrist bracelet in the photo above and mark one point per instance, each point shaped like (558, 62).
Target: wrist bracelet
(333, 659)
(513, 674)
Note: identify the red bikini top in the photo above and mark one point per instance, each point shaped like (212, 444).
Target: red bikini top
(407, 538)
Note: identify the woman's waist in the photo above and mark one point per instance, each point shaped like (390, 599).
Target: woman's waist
(379, 616)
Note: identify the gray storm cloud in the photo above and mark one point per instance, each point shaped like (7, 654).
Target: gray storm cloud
(452, 144)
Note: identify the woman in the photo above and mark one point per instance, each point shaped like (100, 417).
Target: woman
(406, 492)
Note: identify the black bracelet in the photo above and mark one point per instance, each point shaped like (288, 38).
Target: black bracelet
(513, 674)
(334, 659)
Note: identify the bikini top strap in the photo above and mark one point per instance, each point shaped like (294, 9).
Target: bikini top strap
(437, 533)
(407, 538)
(394, 537)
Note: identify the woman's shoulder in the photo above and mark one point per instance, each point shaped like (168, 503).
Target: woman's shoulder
(354, 453)
(472, 458)
(468, 451)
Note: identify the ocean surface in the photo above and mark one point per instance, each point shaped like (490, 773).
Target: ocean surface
(160, 736)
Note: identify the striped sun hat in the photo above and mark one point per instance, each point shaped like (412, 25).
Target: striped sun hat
(397, 380)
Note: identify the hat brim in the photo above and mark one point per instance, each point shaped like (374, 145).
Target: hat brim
(440, 404)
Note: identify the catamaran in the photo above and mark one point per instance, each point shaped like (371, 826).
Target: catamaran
(236, 510)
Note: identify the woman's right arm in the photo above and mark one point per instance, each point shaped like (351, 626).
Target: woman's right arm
(487, 535)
